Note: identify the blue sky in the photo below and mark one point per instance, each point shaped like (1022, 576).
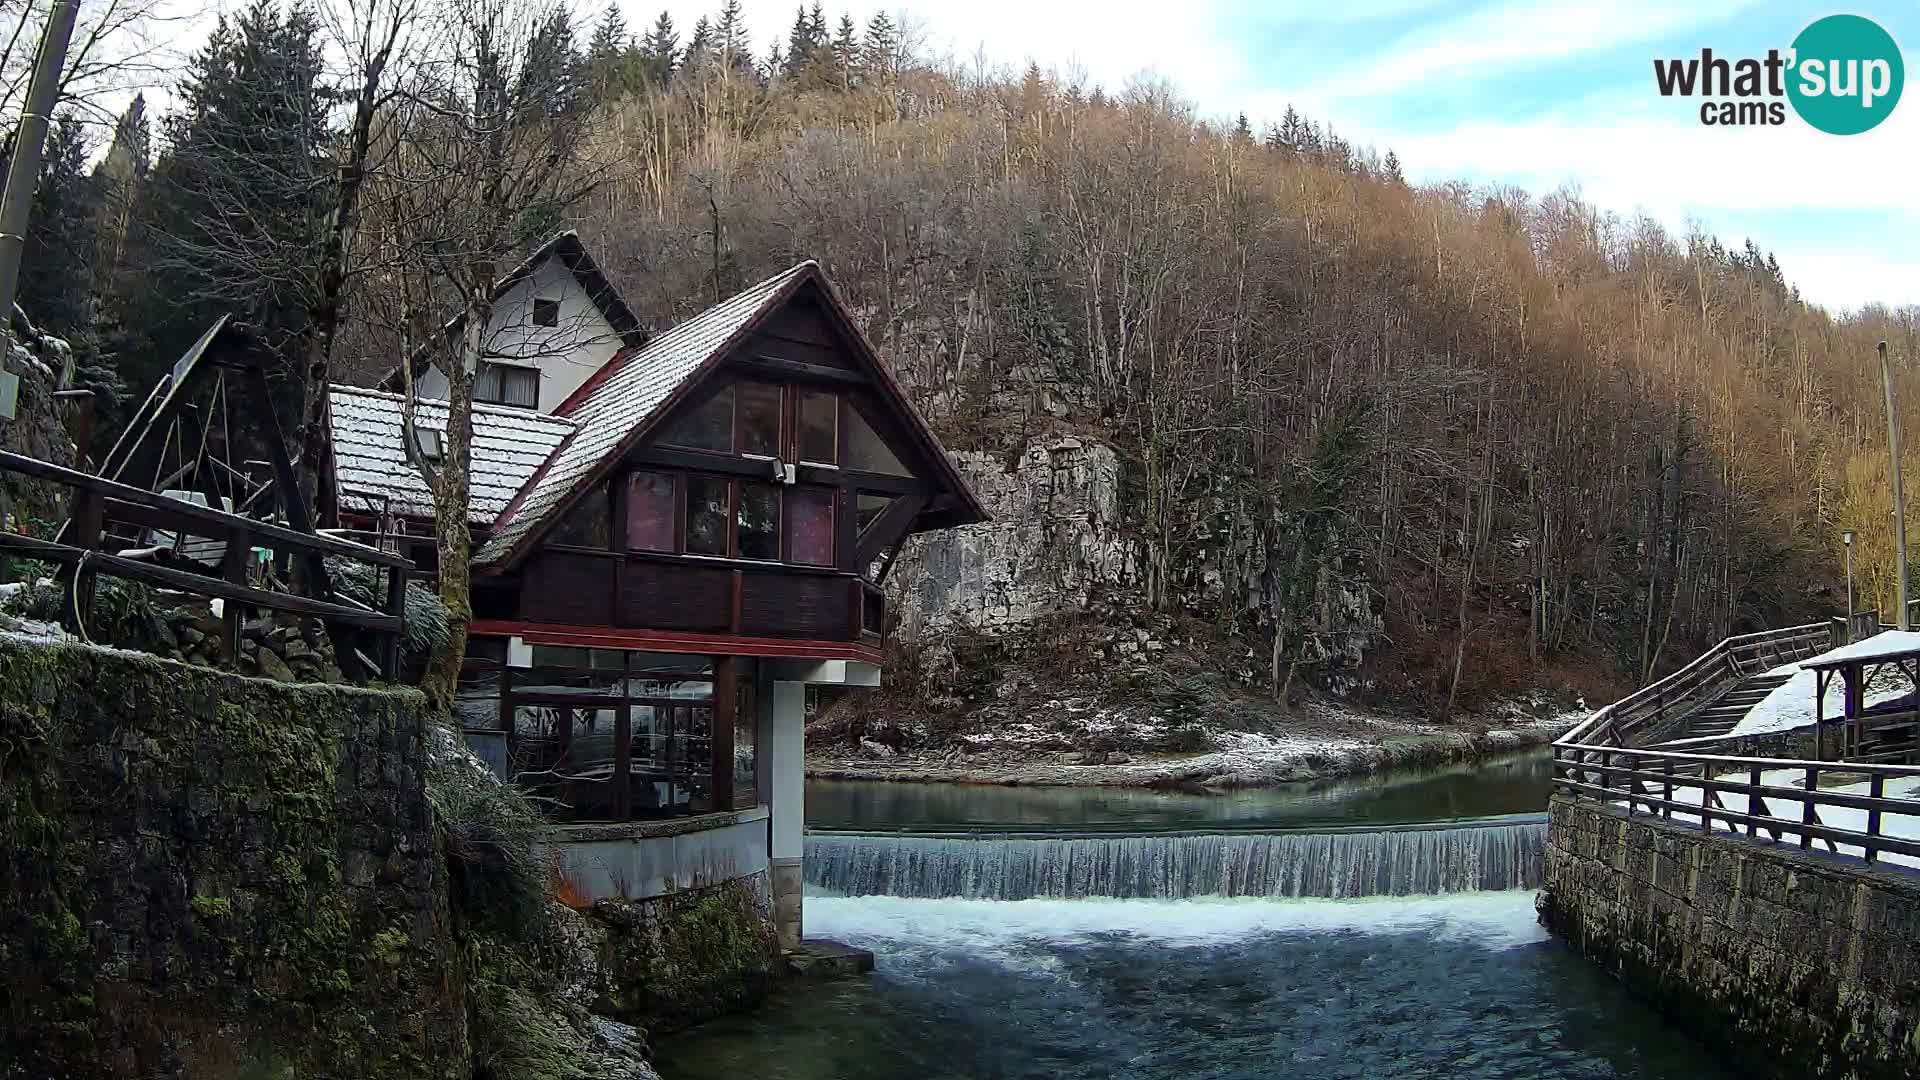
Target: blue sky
(1530, 93)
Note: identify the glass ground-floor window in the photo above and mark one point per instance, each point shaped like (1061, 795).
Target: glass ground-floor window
(597, 734)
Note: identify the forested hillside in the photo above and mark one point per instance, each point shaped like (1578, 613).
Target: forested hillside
(1546, 443)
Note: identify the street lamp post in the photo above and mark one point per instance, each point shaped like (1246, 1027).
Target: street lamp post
(1899, 500)
(1846, 541)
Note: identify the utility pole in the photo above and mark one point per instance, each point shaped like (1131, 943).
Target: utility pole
(1899, 497)
(23, 173)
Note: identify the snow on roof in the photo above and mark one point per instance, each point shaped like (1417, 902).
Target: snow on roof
(1790, 705)
(628, 399)
(1881, 645)
(370, 461)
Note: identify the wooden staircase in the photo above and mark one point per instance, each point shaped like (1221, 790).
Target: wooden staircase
(1721, 715)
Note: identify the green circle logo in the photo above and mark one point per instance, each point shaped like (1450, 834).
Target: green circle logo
(1847, 74)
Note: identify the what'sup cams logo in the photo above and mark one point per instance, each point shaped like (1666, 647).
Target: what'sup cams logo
(1843, 75)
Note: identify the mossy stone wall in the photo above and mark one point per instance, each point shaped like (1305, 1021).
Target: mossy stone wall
(672, 961)
(209, 875)
(1792, 963)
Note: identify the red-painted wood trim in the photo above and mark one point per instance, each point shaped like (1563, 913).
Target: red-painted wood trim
(675, 641)
(606, 371)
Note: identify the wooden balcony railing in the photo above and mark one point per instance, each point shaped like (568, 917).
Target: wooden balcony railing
(81, 552)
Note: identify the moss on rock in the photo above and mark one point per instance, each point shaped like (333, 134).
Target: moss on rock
(209, 875)
(675, 960)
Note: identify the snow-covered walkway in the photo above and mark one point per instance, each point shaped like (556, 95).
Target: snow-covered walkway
(1904, 826)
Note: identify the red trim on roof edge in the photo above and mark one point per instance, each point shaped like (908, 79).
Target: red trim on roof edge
(606, 371)
(673, 641)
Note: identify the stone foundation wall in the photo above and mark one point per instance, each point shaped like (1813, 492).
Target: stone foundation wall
(208, 875)
(672, 961)
(1794, 963)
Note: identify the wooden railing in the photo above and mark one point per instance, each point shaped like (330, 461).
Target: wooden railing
(1737, 792)
(97, 501)
(1599, 761)
(1712, 672)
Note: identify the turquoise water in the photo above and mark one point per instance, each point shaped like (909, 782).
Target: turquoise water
(1513, 784)
(1171, 986)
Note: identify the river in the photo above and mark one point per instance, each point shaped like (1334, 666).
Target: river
(1449, 979)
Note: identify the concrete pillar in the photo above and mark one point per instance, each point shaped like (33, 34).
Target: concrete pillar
(787, 764)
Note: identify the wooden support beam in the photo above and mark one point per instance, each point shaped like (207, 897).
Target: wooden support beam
(887, 529)
(726, 703)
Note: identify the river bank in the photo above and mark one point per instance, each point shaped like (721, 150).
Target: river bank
(1320, 741)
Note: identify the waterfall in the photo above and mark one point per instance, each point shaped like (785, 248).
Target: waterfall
(1399, 862)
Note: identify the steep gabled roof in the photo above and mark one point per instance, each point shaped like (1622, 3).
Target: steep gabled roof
(370, 460)
(619, 405)
(572, 253)
(612, 417)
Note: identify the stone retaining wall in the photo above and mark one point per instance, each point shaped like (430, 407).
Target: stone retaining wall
(206, 875)
(1794, 963)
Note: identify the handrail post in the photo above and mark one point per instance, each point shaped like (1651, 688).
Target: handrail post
(233, 568)
(1806, 808)
(89, 511)
(397, 607)
(1754, 805)
(1666, 794)
(1878, 791)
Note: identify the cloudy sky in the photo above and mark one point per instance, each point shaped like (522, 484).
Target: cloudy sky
(1524, 92)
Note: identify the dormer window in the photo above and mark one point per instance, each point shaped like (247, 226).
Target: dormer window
(507, 384)
(432, 446)
(546, 311)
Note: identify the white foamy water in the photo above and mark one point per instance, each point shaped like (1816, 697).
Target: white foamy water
(893, 925)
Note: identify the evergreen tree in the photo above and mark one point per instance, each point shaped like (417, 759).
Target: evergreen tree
(700, 46)
(234, 218)
(846, 50)
(609, 56)
(1390, 169)
(883, 41)
(1293, 132)
(660, 52)
(1242, 131)
(730, 37)
(116, 181)
(554, 67)
(55, 261)
(800, 44)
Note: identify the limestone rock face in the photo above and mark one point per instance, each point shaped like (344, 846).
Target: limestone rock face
(1055, 544)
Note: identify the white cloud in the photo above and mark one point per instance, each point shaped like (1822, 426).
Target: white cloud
(1526, 32)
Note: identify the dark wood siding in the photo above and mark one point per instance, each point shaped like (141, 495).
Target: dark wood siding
(771, 347)
(794, 605)
(676, 596)
(568, 588)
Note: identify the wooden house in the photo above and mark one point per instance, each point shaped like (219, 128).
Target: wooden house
(670, 547)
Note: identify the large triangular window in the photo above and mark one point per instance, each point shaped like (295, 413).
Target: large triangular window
(867, 451)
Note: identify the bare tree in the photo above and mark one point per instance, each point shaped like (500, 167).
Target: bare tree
(492, 136)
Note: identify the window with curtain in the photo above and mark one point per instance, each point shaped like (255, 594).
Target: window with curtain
(810, 526)
(707, 515)
(759, 521)
(650, 511)
(507, 384)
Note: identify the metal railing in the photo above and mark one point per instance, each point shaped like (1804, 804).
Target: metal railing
(82, 554)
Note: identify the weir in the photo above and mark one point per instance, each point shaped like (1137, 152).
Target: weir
(1448, 857)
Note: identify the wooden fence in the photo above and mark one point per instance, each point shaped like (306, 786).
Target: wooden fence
(96, 501)
(1777, 797)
